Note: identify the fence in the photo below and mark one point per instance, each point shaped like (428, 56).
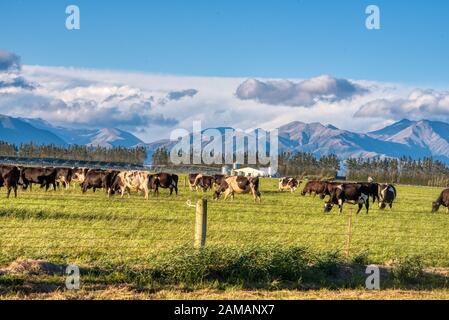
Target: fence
(48, 224)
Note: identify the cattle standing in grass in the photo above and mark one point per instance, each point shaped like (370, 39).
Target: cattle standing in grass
(314, 187)
(79, 175)
(290, 184)
(99, 179)
(238, 184)
(132, 180)
(443, 200)
(351, 193)
(42, 176)
(387, 195)
(9, 177)
(218, 179)
(204, 182)
(64, 177)
(164, 180)
(373, 189)
(192, 179)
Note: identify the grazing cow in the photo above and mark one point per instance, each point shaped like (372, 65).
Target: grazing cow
(314, 187)
(9, 177)
(387, 195)
(132, 180)
(351, 193)
(64, 177)
(204, 182)
(192, 179)
(99, 179)
(42, 176)
(164, 180)
(218, 179)
(238, 184)
(443, 200)
(288, 183)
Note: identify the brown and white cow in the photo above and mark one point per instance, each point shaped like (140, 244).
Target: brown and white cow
(240, 185)
(192, 180)
(64, 177)
(288, 183)
(204, 182)
(126, 181)
(79, 175)
(443, 200)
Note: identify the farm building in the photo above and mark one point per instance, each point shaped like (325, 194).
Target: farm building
(251, 172)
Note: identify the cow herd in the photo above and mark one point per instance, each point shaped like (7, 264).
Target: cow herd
(112, 181)
(123, 182)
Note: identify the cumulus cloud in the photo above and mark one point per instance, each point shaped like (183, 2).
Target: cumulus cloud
(178, 95)
(9, 61)
(305, 93)
(420, 104)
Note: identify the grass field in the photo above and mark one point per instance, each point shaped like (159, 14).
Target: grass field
(127, 236)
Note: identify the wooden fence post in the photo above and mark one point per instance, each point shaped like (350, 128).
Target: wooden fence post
(201, 223)
(348, 240)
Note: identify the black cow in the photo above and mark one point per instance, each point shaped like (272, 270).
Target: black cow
(373, 189)
(443, 200)
(351, 193)
(9, 177)
(42, 176)
(164, 180)
(387, 195)
(100, 179)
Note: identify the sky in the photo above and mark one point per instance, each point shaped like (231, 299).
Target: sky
(151, 66)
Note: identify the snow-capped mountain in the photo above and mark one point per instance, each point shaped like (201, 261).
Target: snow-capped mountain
(415, 139)
(16, 131)
(38, 131)
(405, 138)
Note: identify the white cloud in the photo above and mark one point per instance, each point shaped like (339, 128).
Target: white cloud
(151, 105)
(302, 94)
(419, 104)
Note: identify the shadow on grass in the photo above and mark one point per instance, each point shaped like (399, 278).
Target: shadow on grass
(249, 268)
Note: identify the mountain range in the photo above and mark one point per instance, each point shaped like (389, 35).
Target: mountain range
(415, 139)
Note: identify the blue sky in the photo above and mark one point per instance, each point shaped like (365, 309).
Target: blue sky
(150, 67)
(247, 38)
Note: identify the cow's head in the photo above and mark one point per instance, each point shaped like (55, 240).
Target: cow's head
(435, 206)
(382, 205)
(328, 207)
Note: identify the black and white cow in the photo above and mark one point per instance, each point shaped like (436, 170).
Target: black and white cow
(387, 195)
(352, 193)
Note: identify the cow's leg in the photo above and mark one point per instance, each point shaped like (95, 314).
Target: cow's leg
(8, 189)
(146, 192)
(360, 208)
(15, 191)
(391, 205)
(226, 194)
(367, 205)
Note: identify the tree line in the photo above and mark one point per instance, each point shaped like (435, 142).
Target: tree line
(427, 171)
(134, 156)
